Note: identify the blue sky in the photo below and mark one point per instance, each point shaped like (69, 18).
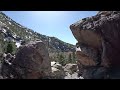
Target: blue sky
(50, 23)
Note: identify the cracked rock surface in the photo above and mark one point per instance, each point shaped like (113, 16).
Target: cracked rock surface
(99, 39)
(31, 62)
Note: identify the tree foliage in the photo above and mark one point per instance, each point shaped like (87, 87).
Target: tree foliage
(11, 48)
(64, 57)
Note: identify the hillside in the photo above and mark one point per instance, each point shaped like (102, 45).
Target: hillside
(9, 29)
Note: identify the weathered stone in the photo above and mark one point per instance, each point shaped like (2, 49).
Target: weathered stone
(99, 40)
(32, 61)
(95, 73)
(70, 68)
(57, 71)
(71, 71)
(6, 65)
(85, 60)
(73, 76)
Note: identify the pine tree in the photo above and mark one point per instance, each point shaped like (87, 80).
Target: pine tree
(73, 57)
(62, 60)
(70, 58)
(9, 48)
(57, 56)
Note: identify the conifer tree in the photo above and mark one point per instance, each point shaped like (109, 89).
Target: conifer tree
(9, 48)
(70, 58)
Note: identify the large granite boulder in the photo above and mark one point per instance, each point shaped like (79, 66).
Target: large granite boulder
(32, 61)
(99, 39)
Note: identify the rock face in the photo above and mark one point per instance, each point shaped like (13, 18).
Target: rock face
(32, 61)
(99, 39)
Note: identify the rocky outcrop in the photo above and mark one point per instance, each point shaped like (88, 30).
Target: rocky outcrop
(71, 71)
(6, 66)
(31, 62)
(99, 39)
(70, 68)
(57, 71)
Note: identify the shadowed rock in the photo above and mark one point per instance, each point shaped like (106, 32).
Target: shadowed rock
(99, 39)
(32, 61)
